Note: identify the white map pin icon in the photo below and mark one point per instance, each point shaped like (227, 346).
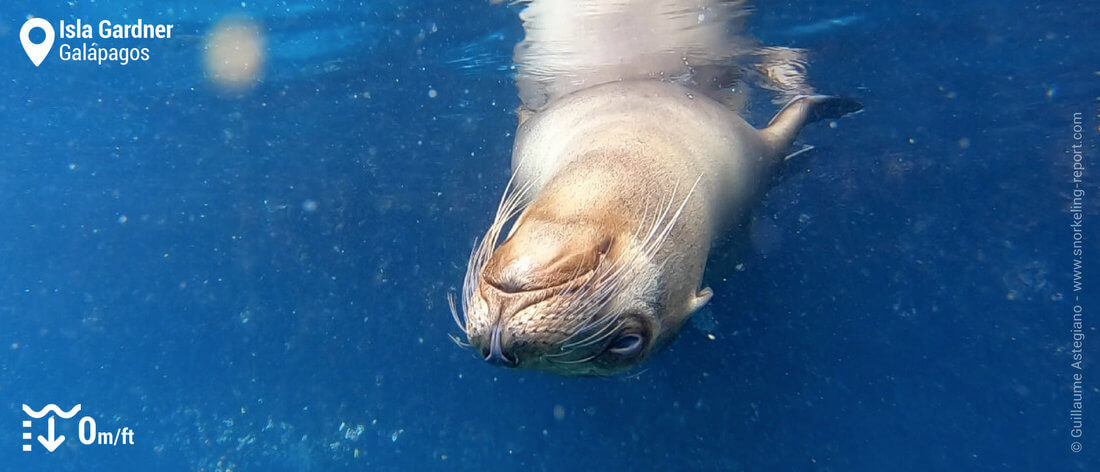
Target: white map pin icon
(37, 52)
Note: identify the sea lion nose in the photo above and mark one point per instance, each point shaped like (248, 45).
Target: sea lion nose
(496, 354)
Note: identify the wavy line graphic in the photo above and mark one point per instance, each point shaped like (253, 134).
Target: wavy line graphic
(51, 408)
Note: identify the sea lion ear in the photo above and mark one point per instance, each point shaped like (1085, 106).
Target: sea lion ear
(701, 298)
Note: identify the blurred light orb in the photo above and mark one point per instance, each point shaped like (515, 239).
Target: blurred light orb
(234, 54)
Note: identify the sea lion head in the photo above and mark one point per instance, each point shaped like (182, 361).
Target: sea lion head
(571, 297)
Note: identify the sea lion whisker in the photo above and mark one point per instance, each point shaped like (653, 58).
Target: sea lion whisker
(605, 323)
(506, 213)
(654, 229)
(574, 300)
(656, 244)
(515, 205)
(578, 304)
(454, 312)
(641, 222)
(557, 355)
(469, 278)
(589, 328)
(611, 279)
(591, 300)
(601, 294)
(600, 334)
(511, 204)
(509, 187)
(459, 342)
(562, 353)
(585, 291)
(606, 332)
(598, 292)
(575, 361)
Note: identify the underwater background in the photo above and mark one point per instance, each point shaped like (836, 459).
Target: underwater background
(257, 279)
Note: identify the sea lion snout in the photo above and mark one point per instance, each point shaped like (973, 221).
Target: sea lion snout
(516, 314)
(502, 341)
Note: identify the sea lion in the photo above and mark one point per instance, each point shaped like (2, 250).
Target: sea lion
(619, 189)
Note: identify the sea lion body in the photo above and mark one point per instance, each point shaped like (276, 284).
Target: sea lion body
(619, 190)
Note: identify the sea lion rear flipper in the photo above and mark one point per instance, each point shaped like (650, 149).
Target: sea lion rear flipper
(801, 111)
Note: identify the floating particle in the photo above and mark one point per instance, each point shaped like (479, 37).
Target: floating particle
(352, 434)
(234, 54)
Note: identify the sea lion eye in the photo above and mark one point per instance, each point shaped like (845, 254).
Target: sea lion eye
(626, 345)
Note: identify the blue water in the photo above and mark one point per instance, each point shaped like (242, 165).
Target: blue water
(258, 281)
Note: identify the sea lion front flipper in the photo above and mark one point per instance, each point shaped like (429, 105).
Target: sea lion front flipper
(801, 111)
(522, 114)
(701, 298)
